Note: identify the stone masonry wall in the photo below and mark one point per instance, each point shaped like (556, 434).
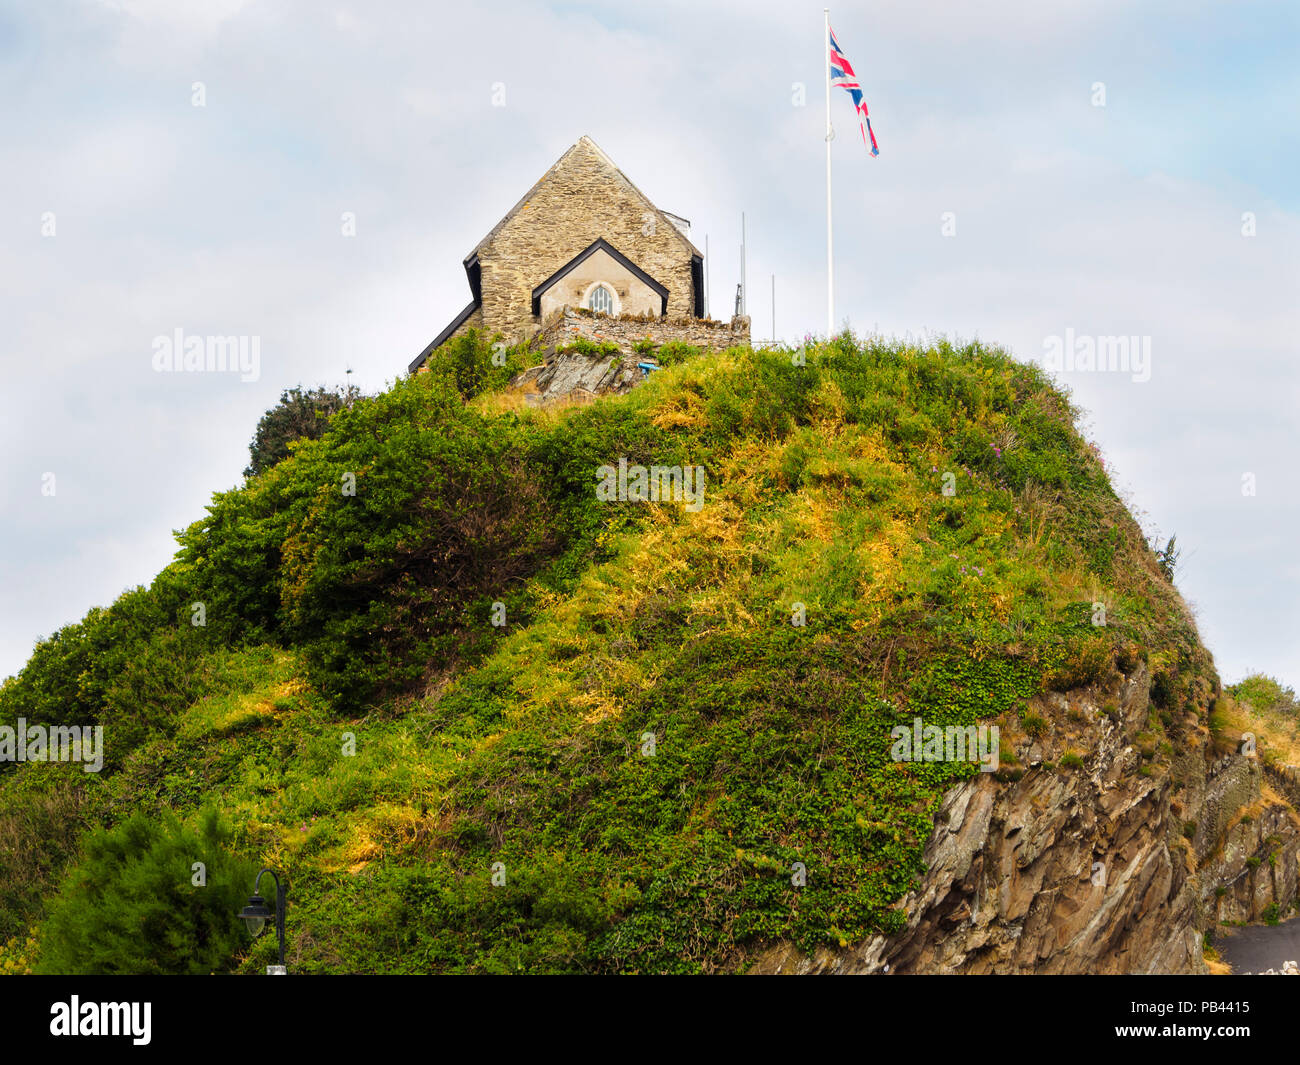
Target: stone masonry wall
(582, 198)
(568, 325)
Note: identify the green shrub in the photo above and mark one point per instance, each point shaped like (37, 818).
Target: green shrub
(446, 510)
(583, 346)
(367, 546)
(1265, 693)
(69, 675)
(39, 831)
(1219, 724)
(299, 415)
(1086, 661)
(130, 907)
(129, 667)
(675, 351)
(475, 362)
(1034, 724)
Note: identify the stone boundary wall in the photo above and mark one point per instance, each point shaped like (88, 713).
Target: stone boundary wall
(569, 324)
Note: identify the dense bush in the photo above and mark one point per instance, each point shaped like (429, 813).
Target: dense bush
(1266, 693)
(368, 546)
(130, 906)
(475, 362)
(299, 415)
(675, 351)
(446, 510)
(39, 831)
(68, 677)
(129, 667)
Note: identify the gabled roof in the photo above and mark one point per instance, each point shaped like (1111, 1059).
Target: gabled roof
(600, 244)
(584, 143)
(474, 272)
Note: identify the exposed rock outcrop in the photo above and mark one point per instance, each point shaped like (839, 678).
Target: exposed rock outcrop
(1117, 866)
(575, 374)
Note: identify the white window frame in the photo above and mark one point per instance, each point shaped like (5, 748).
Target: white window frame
(615, 304)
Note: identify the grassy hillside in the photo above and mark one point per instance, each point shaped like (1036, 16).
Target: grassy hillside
(358, 720)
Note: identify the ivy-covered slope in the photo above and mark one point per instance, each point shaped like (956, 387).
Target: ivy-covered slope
(488, 722)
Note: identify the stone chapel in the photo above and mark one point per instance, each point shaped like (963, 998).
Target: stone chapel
(585, 252)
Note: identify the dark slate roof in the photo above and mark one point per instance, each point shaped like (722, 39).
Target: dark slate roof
(444, 336)
(600, 244)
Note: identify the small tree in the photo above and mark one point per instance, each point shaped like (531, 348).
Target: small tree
(1167, 557)
(131, 905)
(299, 414)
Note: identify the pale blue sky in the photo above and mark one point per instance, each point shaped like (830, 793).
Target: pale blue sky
(226, 220)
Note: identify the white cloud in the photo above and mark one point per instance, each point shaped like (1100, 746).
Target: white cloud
(225, 219)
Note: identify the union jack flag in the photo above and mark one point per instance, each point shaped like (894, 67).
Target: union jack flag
(843, 76)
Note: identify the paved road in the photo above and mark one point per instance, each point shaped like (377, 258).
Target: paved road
(1259, 947)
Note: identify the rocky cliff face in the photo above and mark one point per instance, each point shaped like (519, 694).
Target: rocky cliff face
(577, 375)
(1114, 866)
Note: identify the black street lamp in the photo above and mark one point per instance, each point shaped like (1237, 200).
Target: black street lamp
(255, 915)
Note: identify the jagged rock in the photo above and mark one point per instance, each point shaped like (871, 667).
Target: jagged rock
(1086, 870)
(573, 374)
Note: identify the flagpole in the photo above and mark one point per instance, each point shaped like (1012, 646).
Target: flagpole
(830, 259)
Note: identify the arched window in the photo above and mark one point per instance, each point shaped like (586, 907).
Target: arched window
(601, 299)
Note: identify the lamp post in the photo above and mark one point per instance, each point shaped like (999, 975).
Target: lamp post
(255, 915)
